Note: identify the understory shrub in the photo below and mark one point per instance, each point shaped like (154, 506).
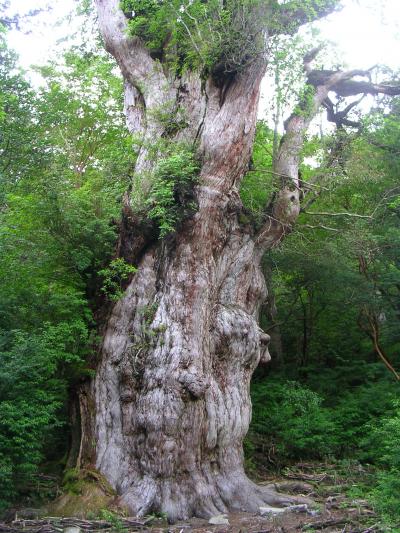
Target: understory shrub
(290, 416)
(114, 276)
(33, 391)
(293, 422)
(383, 443)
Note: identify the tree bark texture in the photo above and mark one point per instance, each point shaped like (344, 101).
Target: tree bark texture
(171, 392)
(172, 385)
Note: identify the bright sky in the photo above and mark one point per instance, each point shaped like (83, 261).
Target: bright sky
(366, 31)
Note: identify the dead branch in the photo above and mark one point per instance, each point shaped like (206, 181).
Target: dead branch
(325, 214)
(320, 226)
(340, 117)
(323, 524)
(373, 333)
(56, 524)
(310, 56)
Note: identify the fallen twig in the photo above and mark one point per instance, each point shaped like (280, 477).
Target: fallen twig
(322, 524)
(56, 525)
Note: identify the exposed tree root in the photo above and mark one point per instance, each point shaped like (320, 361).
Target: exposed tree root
(182, 500)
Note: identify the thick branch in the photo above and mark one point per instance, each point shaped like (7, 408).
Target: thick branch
(133, 58)
(349, 87)
(342, 84)
(291, 15)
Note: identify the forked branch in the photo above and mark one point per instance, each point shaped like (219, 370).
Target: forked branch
(284, 208)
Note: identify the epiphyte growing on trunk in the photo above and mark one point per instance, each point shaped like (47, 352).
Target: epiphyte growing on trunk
(114, 276)
(171, 196)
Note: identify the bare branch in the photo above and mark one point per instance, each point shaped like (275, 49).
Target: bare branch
(391, 149)
(372, 331)
(320, 226)
(342, 84)
(310, 56)
(340, 117)
(337, 214)
(352, 87)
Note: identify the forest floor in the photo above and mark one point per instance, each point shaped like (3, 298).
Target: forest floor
(328, 485)
(331, 487)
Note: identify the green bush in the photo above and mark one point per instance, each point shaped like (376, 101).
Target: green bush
(291, 417)
(114, 276)
(386, 494)
(354, 411)
(33, 392)
(383, 442)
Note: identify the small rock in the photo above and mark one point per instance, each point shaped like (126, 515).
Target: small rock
(268, 510)
(300, 508)
(72, 529)
(219, 520)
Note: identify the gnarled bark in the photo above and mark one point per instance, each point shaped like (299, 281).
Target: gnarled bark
(172, 387)
(171, 391)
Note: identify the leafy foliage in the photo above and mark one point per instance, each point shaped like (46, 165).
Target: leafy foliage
(384, 443)
(114, 275)
(171, 195)
(292, 420)
(65, 161)
(330, 276)
(34, 371)
(258, 183)
(196, 34)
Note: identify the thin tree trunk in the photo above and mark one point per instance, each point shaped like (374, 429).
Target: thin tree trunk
(270, 311)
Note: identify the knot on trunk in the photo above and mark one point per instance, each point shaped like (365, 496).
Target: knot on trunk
(287, 206)
(265, 356)
(193, 383)
(239, 338)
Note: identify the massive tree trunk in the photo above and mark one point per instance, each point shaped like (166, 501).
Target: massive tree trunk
(172, 387)
(171, 391)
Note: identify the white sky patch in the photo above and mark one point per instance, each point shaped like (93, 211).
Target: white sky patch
(365, 33)
(42, 35)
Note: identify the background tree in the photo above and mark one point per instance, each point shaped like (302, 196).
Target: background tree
(326, 278)
(65, 162)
